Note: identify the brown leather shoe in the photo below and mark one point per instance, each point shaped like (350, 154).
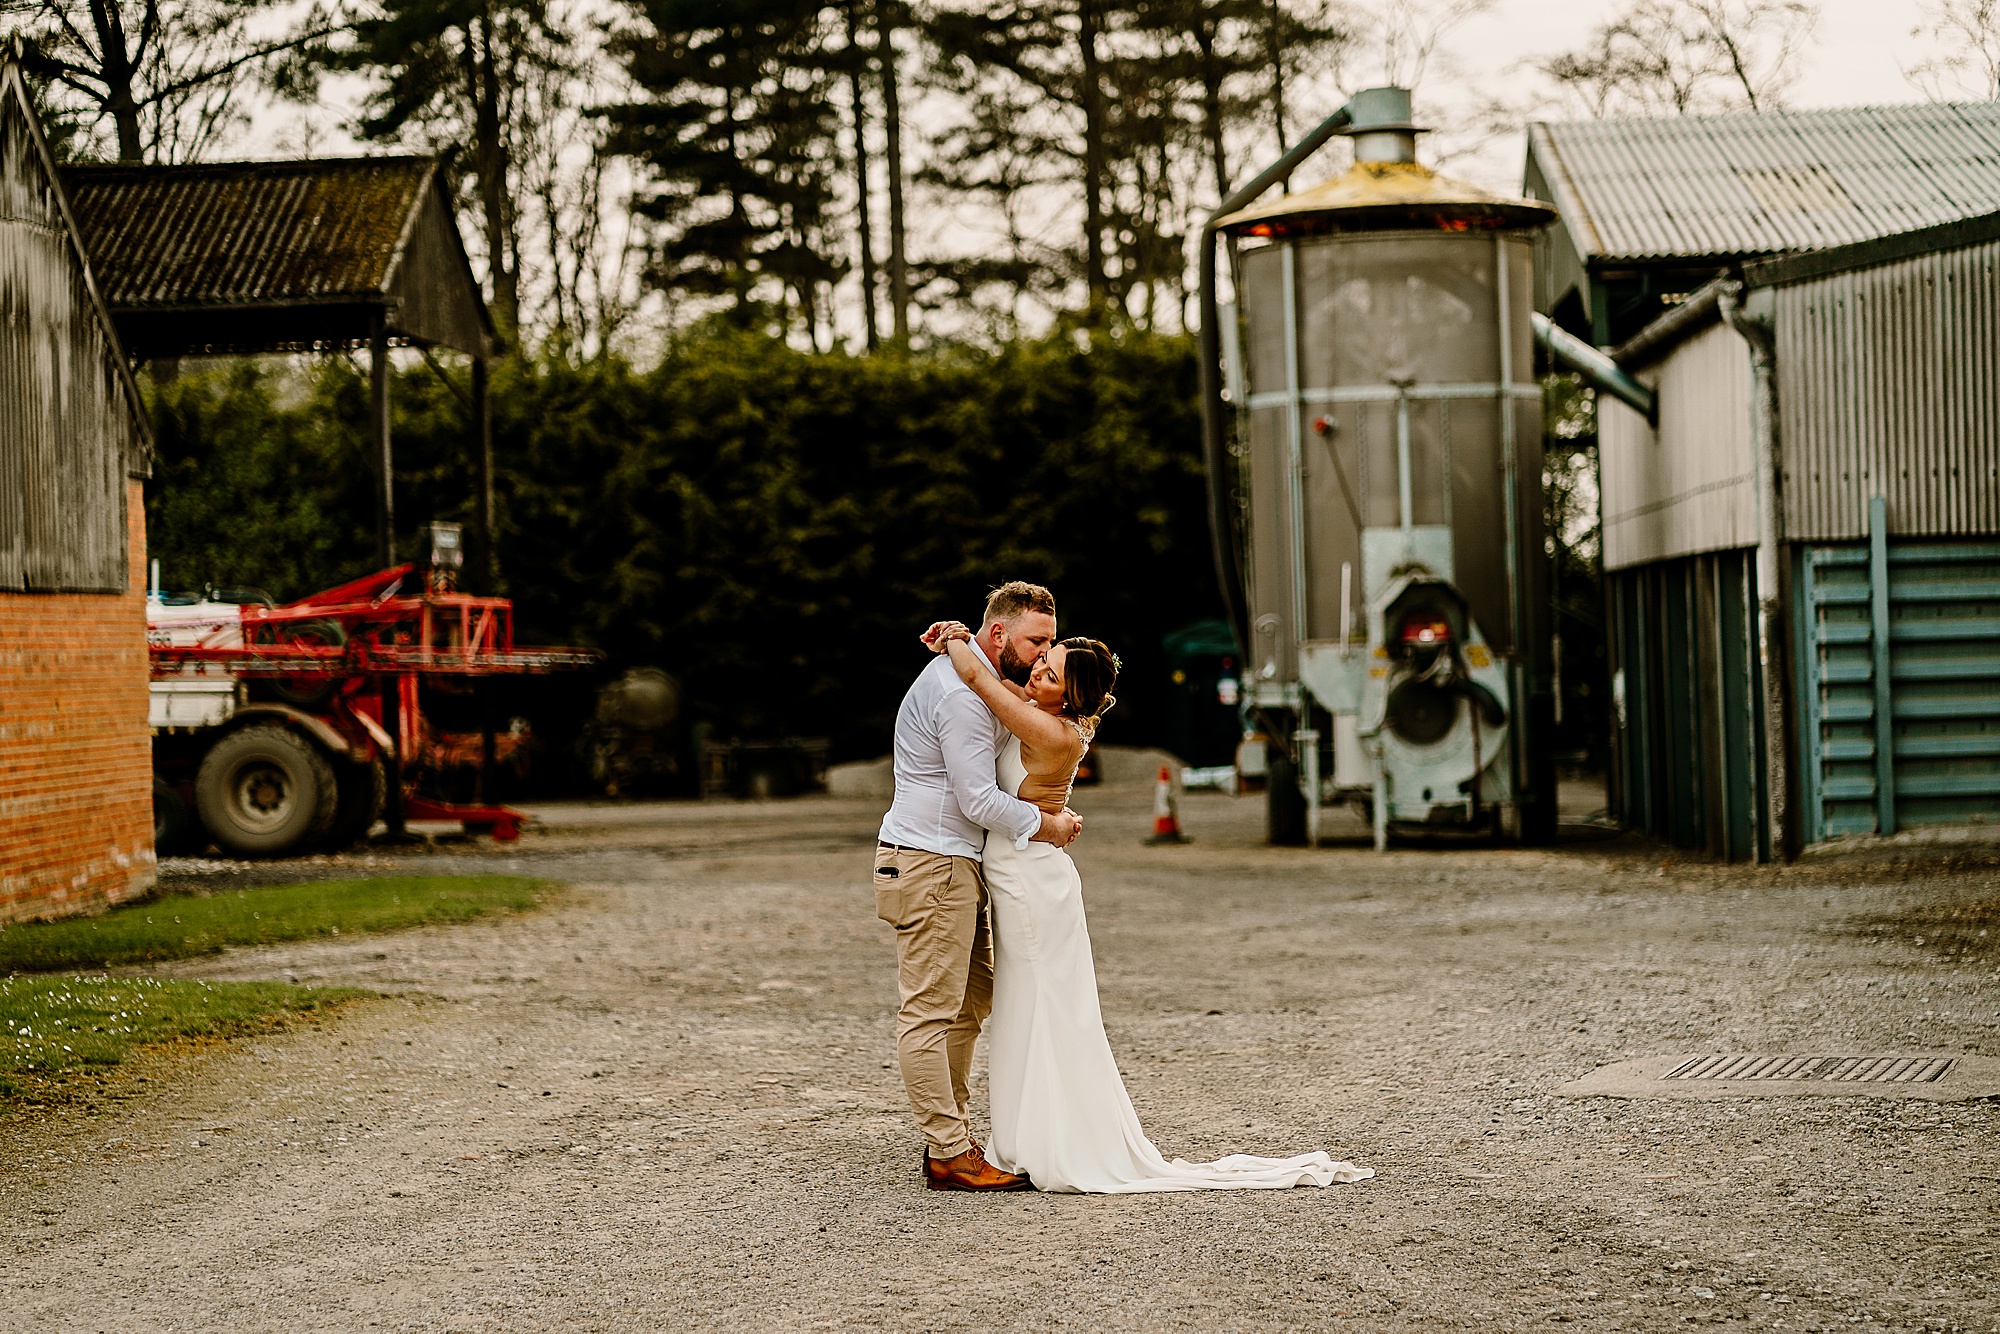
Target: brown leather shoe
(930, 1163)
(970, 1171)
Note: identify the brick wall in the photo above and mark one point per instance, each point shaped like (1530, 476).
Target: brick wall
(76, 766)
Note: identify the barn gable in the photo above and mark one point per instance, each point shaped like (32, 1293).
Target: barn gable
(220, 258)
(75, 424)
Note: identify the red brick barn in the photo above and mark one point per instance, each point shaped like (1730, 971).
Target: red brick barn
(76, 810)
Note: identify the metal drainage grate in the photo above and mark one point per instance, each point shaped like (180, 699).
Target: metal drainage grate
(1828, 1069)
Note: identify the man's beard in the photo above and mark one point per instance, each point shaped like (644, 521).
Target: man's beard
(1013, 668)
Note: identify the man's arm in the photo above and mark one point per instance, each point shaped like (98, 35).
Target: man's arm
(965, 736)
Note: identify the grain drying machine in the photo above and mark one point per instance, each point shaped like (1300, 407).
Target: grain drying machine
(1378, 519)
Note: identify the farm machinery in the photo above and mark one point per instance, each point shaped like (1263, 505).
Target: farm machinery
(284, 729)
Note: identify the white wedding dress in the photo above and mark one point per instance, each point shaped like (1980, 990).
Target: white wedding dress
(1060, 1111)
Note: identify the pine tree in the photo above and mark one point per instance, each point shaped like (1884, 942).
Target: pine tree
(454, 71)
(738, 142)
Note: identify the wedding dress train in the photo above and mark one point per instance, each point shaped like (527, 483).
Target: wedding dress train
(1060, 1110)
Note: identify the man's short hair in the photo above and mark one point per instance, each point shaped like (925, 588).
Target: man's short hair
(1011, 601)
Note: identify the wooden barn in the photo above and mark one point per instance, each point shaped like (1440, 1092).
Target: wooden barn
(76, 807)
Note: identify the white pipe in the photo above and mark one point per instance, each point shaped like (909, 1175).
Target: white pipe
(1346, 608)
(1406, 505)
(1603, 374)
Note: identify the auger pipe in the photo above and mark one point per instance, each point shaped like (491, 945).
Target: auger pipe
(1603, 374)
(1214, 416)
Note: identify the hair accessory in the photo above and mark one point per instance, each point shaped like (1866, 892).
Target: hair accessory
(1117, 663)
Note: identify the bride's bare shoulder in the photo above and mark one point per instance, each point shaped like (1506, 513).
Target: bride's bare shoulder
(1059, 752)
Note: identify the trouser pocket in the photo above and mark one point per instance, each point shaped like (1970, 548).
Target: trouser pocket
(889, 905)
(910, 885)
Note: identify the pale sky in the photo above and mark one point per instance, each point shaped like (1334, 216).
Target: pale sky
(1863, 49)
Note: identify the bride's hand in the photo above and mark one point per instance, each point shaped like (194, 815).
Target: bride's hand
(938, 638)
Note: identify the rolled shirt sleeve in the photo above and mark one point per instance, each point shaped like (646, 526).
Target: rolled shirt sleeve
(965, 736)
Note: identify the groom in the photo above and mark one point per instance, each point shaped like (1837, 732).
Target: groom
(928, 882)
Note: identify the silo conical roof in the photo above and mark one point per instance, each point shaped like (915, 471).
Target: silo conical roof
(1387, 196)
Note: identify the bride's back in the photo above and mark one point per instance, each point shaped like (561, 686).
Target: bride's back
(1046, 772)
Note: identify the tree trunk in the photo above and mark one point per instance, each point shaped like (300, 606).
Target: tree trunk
(125, 115)
(892, 122)
(1095, 272)
(1277, 43)
(490, 153)
(115, 65)
(1211, 102)
(856, 66)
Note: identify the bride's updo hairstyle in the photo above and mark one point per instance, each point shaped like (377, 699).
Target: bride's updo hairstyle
(1089, 671)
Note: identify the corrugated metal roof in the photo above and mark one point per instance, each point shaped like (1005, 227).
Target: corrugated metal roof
(1762, 184)
(246, 233)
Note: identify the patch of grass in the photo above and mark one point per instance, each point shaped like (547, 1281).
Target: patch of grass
(181, 927)
(51, 1027)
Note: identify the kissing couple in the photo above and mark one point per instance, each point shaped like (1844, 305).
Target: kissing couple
(988, 741)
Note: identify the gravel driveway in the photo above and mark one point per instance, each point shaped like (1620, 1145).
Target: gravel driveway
(669, 1103)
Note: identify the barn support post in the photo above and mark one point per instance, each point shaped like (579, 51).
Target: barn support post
(486, 566)
(378, 438)
(1770, 575)
(1885, 694)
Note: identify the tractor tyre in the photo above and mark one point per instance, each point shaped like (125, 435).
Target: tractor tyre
(361, 789)
(265, 792)
(174, 829)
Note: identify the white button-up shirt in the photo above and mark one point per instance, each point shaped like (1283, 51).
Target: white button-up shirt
(947, 794)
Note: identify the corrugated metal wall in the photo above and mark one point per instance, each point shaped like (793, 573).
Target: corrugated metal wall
(1688, 752)
(67, 436)
(1931, 692)
(1690, 486)
(1889, 384)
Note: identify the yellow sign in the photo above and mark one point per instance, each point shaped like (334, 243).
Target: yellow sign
(1476, 655)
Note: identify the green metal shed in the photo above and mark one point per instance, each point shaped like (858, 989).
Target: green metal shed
(1803, 555)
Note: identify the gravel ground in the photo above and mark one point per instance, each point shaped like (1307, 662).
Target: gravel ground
(669, 1102)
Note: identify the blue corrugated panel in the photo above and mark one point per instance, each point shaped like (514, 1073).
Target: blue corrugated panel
(1944, 686)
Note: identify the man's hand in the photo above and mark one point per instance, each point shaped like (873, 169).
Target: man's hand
(1060, 829)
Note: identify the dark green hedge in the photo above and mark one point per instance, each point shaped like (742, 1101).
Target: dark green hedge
(771, 526)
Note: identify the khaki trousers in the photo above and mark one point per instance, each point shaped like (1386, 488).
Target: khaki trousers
(944, 961)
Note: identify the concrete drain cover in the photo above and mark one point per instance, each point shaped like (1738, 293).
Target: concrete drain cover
(1932, 1076)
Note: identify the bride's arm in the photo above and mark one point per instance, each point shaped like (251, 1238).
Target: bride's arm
(1007, 701)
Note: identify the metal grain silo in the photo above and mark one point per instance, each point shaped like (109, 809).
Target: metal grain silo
(1387, 525)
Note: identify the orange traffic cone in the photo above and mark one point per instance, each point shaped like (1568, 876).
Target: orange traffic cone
(1166, 820)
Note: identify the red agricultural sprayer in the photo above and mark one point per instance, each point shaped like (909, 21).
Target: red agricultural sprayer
(281, 729)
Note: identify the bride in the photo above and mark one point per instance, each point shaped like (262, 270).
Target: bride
(1060, 1111)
